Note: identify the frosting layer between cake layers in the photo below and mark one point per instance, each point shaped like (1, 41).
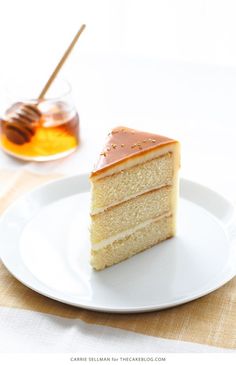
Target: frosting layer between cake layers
(143, 238)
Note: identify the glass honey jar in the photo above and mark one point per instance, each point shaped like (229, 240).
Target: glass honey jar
(41, 130)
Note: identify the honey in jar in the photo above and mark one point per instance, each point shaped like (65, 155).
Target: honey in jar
(53, 134)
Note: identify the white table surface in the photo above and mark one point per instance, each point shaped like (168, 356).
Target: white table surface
(120, 78)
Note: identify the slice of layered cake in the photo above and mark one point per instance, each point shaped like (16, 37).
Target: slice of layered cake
(134, 195)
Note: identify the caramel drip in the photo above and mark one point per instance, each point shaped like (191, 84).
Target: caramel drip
(123, 143)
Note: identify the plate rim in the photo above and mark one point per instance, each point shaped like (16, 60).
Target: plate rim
(226, 277)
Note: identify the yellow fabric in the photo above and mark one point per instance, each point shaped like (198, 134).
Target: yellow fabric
(209, 320)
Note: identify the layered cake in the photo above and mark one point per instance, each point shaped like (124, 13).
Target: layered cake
(134, 195)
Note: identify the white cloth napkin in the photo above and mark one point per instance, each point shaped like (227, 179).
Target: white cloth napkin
(23, 331)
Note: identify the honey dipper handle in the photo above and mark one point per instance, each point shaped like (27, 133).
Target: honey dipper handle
(61, 63)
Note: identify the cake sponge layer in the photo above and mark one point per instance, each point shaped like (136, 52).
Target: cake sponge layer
(111, 190)
(138, 241)
(131, 213)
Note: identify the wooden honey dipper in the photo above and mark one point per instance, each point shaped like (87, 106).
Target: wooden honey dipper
(22, 119)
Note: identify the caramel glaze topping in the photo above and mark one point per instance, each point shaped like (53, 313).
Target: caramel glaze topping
(123, 143)
(20, 123)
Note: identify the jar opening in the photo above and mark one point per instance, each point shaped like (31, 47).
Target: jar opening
(26, 91)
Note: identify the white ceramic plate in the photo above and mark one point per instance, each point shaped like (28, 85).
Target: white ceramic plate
(44, 243)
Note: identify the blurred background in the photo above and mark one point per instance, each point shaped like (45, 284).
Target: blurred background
(164, 66)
